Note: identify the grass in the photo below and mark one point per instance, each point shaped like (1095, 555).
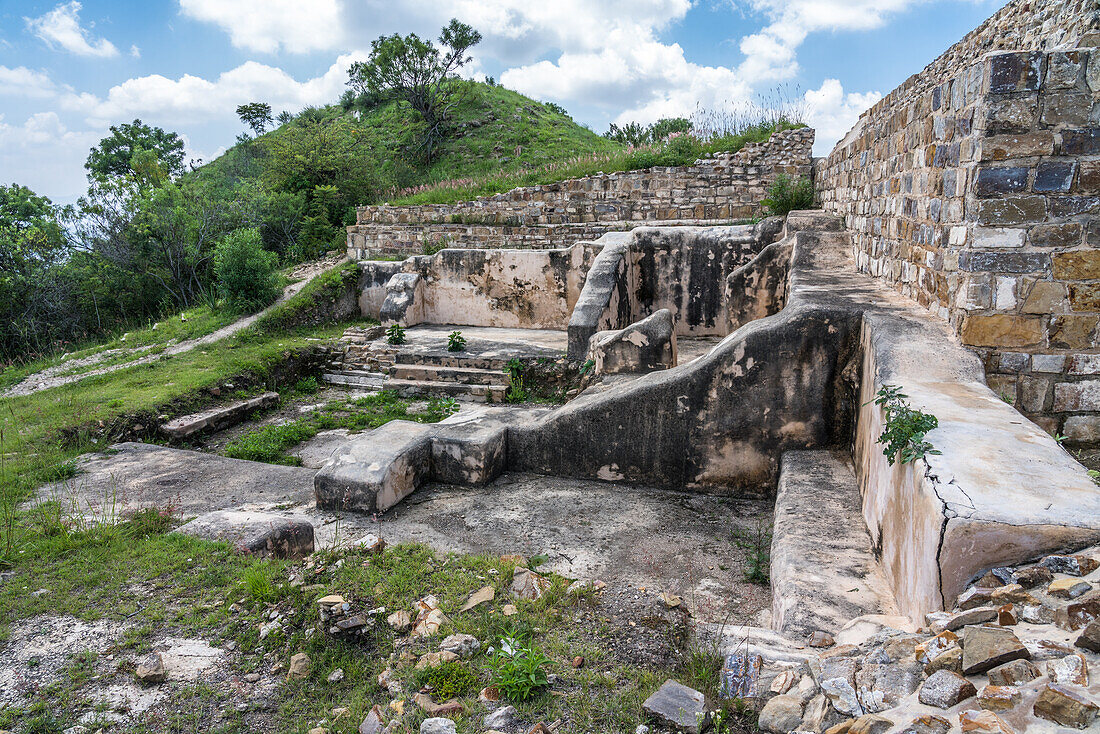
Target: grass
(270, 443)
(677, 152)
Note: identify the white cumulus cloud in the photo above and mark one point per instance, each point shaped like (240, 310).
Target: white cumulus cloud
(47, 155)
(60, 28)
(24, 82)
(832, 112)
(298, 26)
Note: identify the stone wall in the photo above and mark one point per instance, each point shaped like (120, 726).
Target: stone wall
(727, 187)
(975, 188)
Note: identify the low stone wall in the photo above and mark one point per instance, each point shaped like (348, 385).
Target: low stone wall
(534, 289)
(727, 187)
(975, 188)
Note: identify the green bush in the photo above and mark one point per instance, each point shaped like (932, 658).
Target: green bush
(519, 672)
(449, 680)
(787, 195)
(245, 270)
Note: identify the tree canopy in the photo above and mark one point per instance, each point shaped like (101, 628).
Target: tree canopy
(257, 115)
(114, 156)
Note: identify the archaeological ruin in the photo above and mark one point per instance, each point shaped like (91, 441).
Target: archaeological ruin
(952, 270)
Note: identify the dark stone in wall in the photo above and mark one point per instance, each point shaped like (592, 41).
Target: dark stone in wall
(1081, 142)
(1054, 176)
(1015, 71)
(995, 181)
(1004, 262)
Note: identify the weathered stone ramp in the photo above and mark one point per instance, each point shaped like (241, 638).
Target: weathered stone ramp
(823, 570)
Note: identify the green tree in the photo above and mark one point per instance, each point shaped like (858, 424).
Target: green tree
(245, 270)
(34, 298)
(415, 71)
(257, 115)
(114, 155)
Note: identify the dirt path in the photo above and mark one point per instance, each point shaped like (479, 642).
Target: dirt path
(60, 374)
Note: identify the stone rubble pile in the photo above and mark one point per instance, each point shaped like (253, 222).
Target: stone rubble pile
(1019, 651)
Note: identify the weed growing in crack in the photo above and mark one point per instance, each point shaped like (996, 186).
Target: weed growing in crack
(395, 334)
(904, 428)
(757, 544)
(456, 342)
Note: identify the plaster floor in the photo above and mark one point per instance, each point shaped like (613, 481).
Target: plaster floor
(683, 543)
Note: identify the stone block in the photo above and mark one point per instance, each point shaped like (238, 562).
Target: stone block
(1048, 363)
(1082, 429)
(1077, 397)
(998, 237)
(1012, 210)
(1081, 265)
(1088, 182)
(1033, 395)
(1064, 68)
(219, 417)
(1046, 296)
(1066, 234)
(1085, 296)
(264, 534)
(1054, 176)
(1070, 206)
(1074, 331)
(1000, 181)
(1084, 364)
(1002, 330)
(1066, 108)
(1011, 115)
(1017, 145)
(375, 472)
(1004, 262)
(469, 450)
(1085, 141)
(1014, 71)
(676, 705)
(644, 346)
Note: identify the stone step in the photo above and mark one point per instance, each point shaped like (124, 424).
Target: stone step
(823, 570)
(222, 416)
(422, 387)
(451, 359)
(371, 380)
(436, 373)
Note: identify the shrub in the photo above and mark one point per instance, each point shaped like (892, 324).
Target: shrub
(904, 428)
(245, 270)
(395, 334)
(456, 342)
(449, 680)
(786, 195)
(519, 672)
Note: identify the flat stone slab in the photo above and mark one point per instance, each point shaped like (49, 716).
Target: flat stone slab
(263, 534)
(676, 705)
(823, 570)
(218, 418)
(377, 470)
(131, 475)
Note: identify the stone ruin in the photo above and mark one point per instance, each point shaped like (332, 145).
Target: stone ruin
(956, 256)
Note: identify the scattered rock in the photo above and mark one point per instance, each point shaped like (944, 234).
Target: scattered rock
(1073, 565)
(1078, 613)
(151, 669)
(928, 724)
(437, 725)
(453, 706)
(336, 676)
(400, 620)
(502, 718)
(950, 659)
(263, 534)
(677, 705)
(813, 717)
(371, 543)
(870, 724)
(1068, 588)
(509, 610)
(374, 723)
(998, 698)
(821, 638)
(1064, 706)
(842, 695)
(783, 682)
(943, 689)
(933, 647)
(463, 646)
(671, 600)
(739, 676)
(974, 597)
(482, 595)
(983, 722)
(940, 621)
(1070, 669)
(1007, 616)
(883, 686)
(429, 617)
(490, 694)
(1089, 639)
(781, 714)
(1037, 614)
(1015, 673)
(988, 647)
(578, 661)
(435, 659)
(526, 584)
(299, 666)
(1034, 576)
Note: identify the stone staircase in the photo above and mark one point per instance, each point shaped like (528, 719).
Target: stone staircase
(376, 365)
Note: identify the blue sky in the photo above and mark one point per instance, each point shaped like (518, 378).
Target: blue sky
(70, 69)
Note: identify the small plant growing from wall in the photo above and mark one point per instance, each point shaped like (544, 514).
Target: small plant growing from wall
(434, 246)
(757, 544)
(517, 392)
(786, 195)
(456, 342)
(395, 334)
(904, 429)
